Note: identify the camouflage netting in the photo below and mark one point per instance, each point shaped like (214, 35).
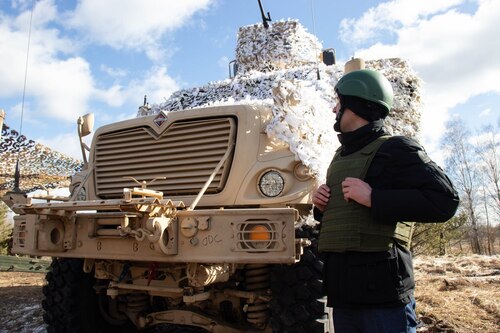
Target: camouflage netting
(278, 67)
(285, 44)
(39, 165)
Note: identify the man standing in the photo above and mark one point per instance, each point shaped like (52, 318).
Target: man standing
(375, 185)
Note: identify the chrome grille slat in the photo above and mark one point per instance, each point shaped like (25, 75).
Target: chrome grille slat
(186, 153)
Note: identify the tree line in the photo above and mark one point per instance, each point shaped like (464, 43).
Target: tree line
(472, 161)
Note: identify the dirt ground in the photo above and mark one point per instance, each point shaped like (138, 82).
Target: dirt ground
(454, 295)
(21, 302)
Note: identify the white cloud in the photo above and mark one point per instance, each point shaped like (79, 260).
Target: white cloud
(133, 24)
(485, 113)
(63, 88)
(485, 137)
(453, 52)
(113, 72)
(155, 83)
(65, 143)
(391, 16)
(61, 84)
(223, 62)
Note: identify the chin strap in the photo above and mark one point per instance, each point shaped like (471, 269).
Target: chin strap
(340, 113)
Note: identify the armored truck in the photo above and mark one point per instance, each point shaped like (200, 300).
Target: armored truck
(197, 214)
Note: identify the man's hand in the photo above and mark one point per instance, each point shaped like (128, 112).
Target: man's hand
(357, 190)
(320, 197)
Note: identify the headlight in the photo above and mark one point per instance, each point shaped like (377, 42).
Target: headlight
(271, 183)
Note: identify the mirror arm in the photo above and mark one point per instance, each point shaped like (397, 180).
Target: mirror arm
(82, 144)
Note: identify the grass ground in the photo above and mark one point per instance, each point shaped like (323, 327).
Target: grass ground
(458, 294)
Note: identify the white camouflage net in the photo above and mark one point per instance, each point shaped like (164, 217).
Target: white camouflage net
(282, 73)
(285, 44)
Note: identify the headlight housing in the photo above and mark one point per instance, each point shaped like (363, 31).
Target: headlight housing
(271, 183)
(258, 236)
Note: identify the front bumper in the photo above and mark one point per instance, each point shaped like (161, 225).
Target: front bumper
(149, 229)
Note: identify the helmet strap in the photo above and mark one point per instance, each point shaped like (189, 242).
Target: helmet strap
(338, 117)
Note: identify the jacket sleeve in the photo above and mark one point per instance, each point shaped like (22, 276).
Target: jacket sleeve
(318, 215)
(414, 188)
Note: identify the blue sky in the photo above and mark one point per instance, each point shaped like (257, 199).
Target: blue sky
(104, 56)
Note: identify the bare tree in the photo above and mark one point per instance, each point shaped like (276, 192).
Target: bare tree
(461, 165)
(489, 151)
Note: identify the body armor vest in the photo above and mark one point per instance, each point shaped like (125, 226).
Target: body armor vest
(348, 226)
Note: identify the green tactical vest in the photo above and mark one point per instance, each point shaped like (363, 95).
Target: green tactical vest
(348, 226)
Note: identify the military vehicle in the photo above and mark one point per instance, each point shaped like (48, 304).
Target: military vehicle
(194, 214)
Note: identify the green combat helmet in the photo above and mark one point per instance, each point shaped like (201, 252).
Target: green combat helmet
(369, 85)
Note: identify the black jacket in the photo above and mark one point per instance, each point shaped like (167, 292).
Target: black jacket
(406, 186)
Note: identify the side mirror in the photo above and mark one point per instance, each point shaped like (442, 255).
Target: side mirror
(86, 124)
(85, 127)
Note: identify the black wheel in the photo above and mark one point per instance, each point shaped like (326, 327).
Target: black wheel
(299, 303)
(70, 302)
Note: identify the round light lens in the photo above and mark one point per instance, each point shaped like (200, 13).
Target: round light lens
(271, 184)
(257, 236)
(259, 232)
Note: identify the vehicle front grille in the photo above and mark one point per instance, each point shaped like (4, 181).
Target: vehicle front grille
(186, 154)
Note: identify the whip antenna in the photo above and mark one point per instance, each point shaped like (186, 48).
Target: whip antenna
(265, 18)
(17, 173)
(315, 45)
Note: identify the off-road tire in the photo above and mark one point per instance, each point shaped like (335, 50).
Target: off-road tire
(70, 303)
(298, 302)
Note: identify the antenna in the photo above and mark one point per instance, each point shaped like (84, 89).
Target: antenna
(264, 18)
(17, 172)
(315, 46)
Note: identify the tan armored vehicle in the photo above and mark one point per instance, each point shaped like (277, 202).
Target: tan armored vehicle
(197, 212)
